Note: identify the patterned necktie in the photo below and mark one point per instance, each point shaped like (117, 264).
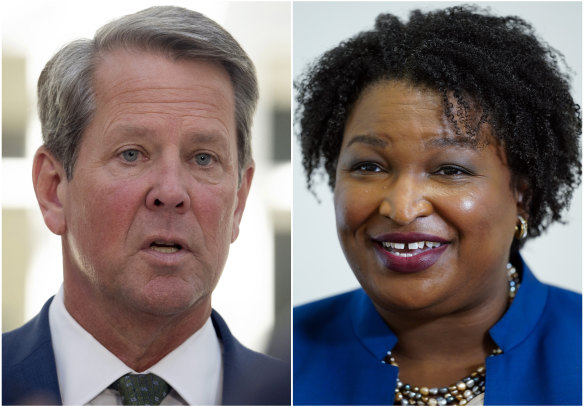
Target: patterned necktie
(141, 389)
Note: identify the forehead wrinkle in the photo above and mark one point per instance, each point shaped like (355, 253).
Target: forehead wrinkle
(202, 110)
(167, 95)
(198, 109)
(125, 126)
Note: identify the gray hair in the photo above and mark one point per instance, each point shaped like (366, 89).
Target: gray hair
(66, 100)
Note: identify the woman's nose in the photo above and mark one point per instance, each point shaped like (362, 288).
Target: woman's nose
(169, 190)
(404, 200)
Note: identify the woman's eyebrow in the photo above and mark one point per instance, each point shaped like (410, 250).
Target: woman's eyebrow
(434, 142)
(441, 142)
(368, 139)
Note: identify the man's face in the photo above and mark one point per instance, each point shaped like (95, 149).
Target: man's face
(154, 201)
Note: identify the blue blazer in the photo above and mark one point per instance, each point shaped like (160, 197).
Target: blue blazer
(29, 373)
(339, 343)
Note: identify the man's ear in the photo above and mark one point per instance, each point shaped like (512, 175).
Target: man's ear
(242, 193)
(48, 178)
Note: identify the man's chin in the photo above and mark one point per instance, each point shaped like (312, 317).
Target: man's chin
(167, 298)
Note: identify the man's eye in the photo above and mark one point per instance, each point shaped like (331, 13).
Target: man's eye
(130, 155)
(204, 159)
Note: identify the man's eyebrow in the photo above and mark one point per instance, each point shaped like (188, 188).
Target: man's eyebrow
(131, 129)
(369, 139)
(207, 137)
(193, 136)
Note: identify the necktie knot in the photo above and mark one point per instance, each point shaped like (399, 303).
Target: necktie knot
(142, 389)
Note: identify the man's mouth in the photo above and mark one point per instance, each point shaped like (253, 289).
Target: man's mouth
(165, 247)
(410, 249)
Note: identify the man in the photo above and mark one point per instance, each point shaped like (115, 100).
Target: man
(144, 173)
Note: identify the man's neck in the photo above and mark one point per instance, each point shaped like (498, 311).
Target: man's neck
(137, 338)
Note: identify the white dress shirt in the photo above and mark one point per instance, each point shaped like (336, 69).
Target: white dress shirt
(85, 368)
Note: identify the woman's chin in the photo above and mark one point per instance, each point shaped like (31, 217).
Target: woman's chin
(397, 294)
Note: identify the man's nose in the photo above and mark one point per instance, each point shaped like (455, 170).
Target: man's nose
(169, 190)
(405, 199)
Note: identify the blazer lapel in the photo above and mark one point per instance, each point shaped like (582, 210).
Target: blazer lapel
(373, 381)
(373, 384)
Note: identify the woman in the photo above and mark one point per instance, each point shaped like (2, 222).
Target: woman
(448, 141)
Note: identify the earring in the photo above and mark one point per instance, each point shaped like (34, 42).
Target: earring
(521, 229)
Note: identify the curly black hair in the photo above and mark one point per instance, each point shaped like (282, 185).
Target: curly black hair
(464, 52)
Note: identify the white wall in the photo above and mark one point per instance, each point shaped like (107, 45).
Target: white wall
(319, 266)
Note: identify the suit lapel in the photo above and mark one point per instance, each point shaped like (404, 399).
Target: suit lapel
(29, 369)
(234, 380)
(250, 378)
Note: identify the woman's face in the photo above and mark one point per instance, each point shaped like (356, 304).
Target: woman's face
(425, 217)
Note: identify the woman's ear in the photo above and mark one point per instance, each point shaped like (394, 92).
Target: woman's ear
(48, 178)
(523, 196)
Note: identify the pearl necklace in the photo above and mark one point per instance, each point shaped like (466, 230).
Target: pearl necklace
(459, 393)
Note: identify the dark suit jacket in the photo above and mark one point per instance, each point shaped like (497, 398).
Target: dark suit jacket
(29, 373)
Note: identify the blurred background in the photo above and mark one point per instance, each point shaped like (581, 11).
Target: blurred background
(254, 292)
(320, 268)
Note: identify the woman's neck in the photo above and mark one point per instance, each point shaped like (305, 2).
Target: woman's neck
(437, 348)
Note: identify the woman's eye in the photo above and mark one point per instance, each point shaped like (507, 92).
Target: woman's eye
(204, 159)
(367, 167)
(130, 155)
(452, 170)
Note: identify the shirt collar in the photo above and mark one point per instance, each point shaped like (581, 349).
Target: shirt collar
(370, 328)
(525, 311)
(85, 367)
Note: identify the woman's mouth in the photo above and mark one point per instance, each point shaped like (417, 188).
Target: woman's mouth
(410, 249)
(409, 253)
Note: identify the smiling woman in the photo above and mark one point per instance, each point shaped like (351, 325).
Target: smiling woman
(401, 181)
(432, 134)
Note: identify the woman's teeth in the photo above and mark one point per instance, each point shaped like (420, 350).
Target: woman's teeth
(411, 246)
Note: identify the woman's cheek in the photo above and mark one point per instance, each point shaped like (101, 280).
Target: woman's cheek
(353, 206)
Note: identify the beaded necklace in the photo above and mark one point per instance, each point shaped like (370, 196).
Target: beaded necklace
(459, 393)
